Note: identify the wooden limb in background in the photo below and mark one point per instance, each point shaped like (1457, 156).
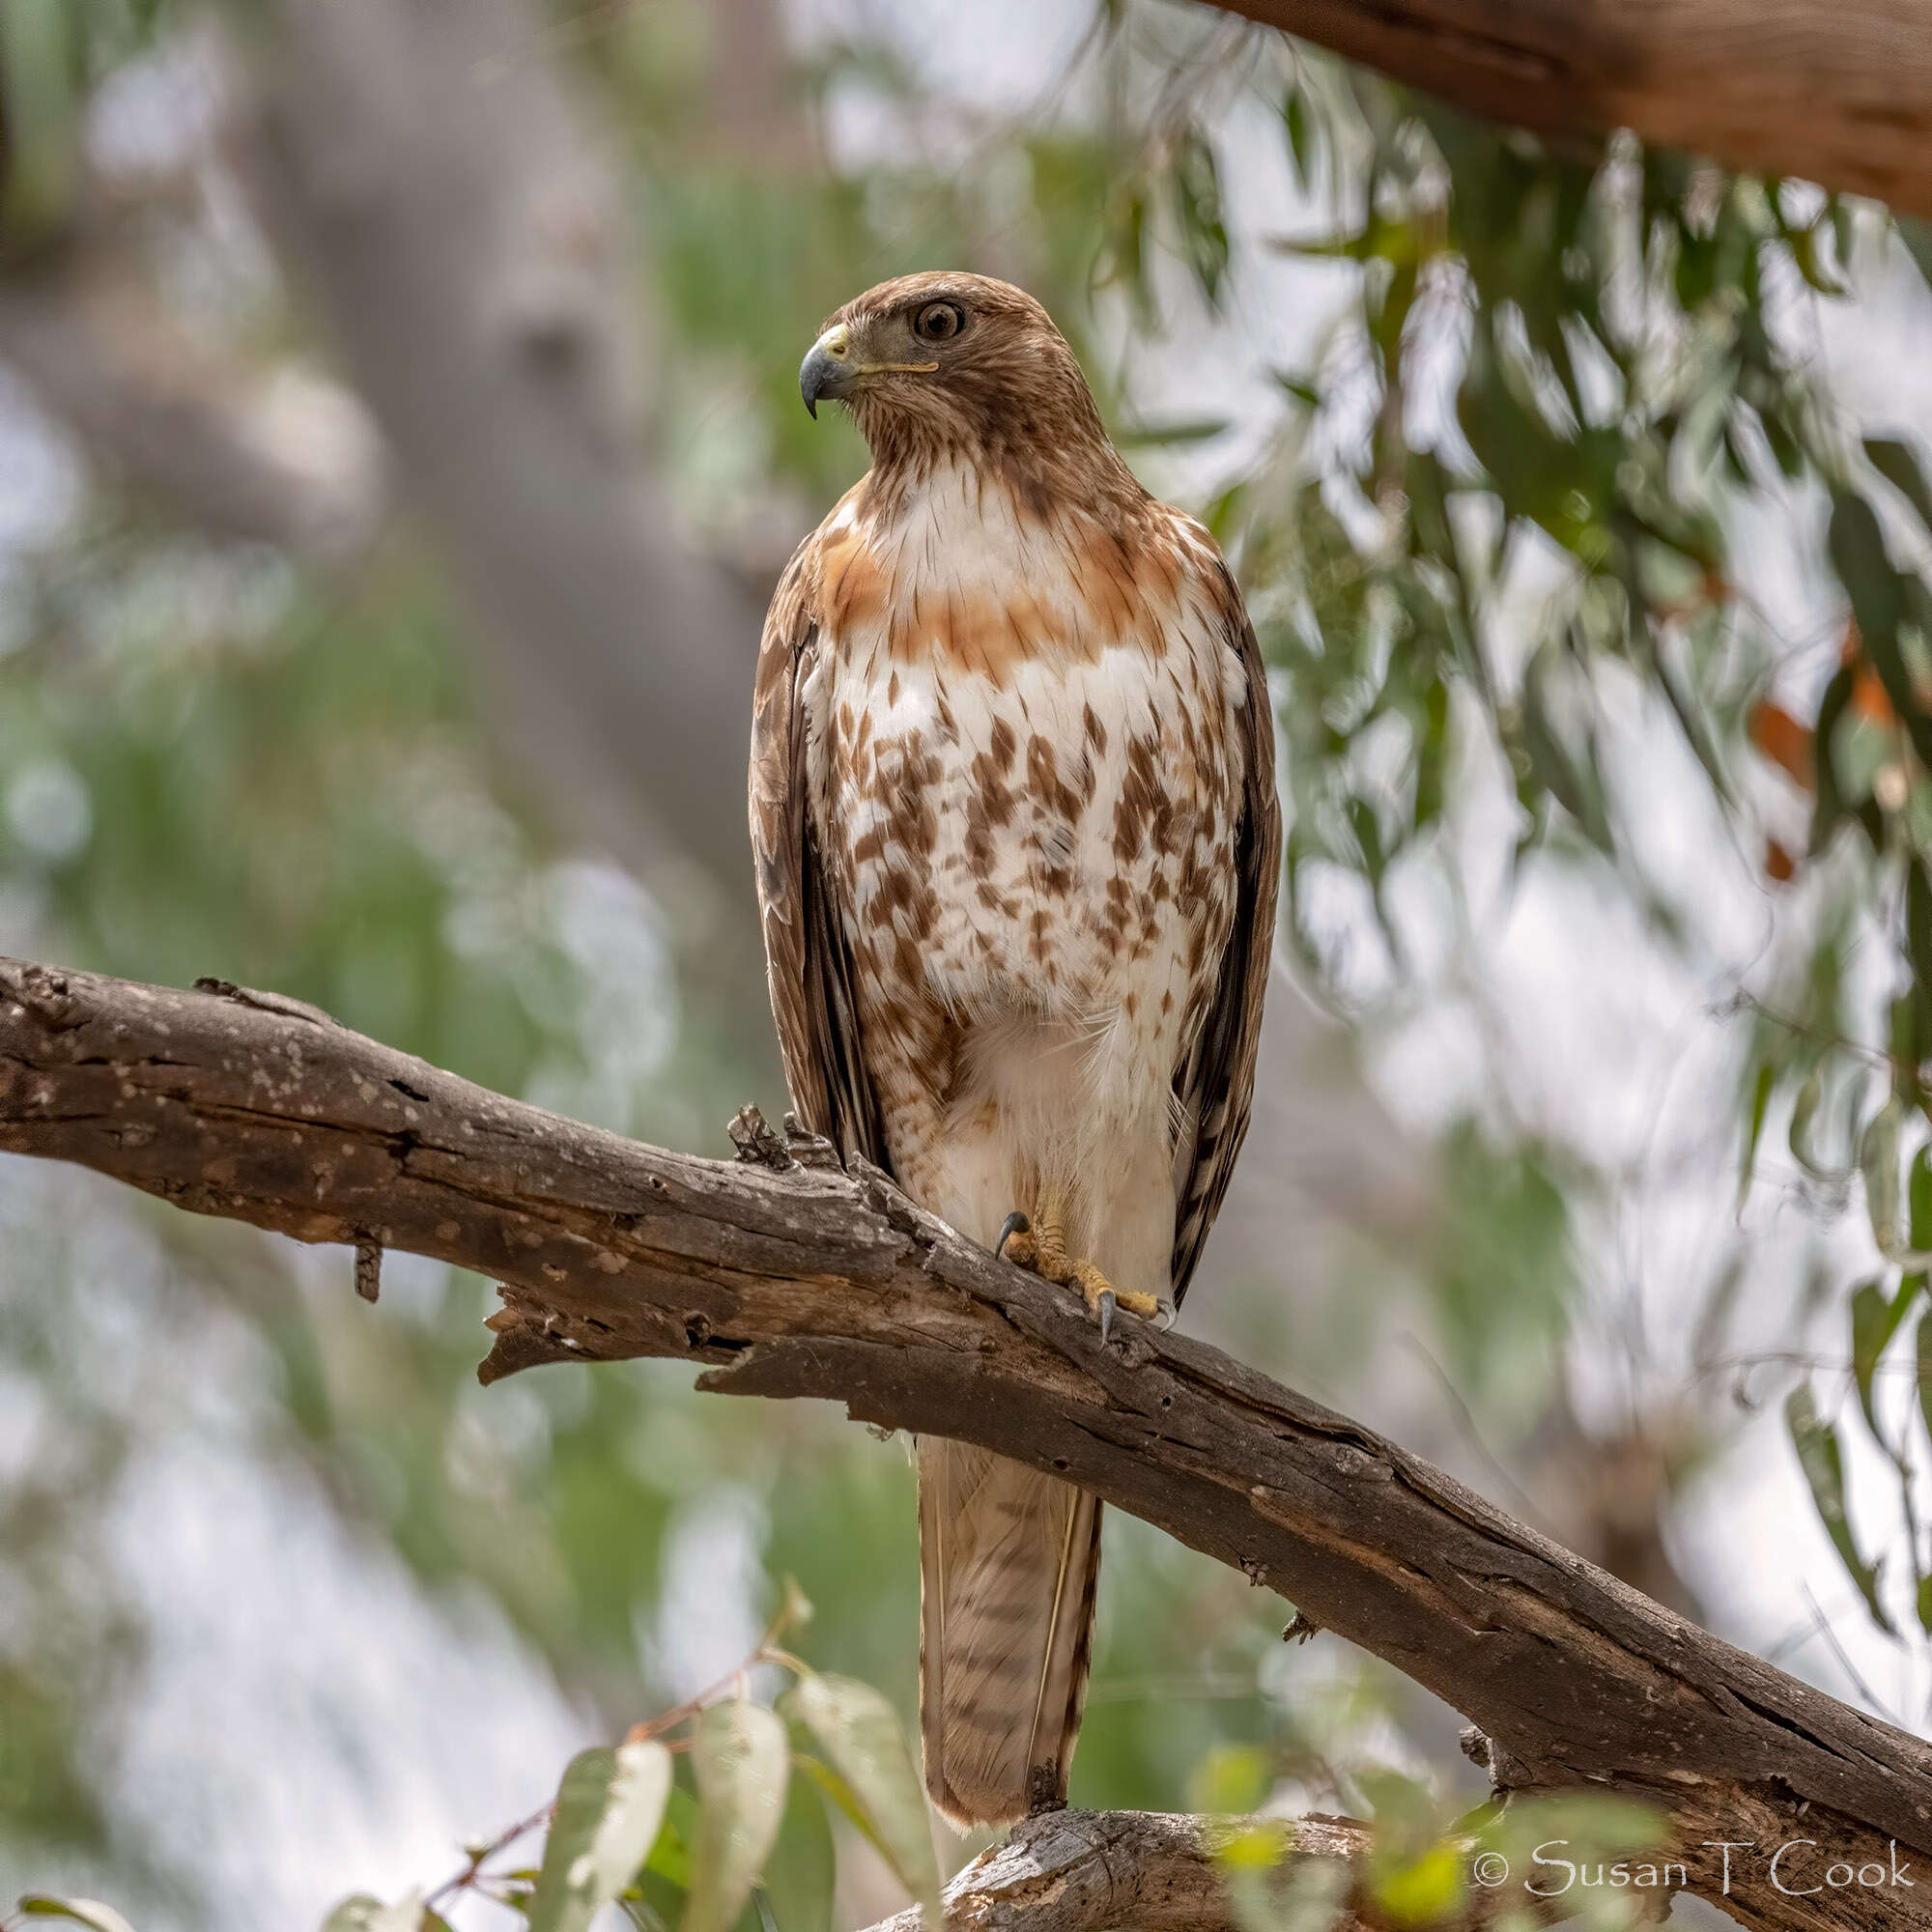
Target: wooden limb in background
(1838, 95)
(783, 1275)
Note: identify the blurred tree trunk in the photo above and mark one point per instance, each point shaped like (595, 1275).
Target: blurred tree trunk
(430, 175)
(753, 117)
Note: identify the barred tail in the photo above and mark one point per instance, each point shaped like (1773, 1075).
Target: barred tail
(1008, 1564)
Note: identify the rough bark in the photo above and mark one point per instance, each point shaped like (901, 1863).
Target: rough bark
(783, 1276)
(1838, 95)
(1091, 1871)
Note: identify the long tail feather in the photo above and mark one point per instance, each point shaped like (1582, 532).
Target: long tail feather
(1008, 1564)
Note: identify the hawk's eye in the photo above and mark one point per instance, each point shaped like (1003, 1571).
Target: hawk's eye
(939, 322)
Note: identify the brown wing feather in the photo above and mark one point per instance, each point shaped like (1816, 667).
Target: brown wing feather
(807, 961)
(1216, 1083)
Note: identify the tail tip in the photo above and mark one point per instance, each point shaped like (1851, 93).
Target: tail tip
(979, 1807)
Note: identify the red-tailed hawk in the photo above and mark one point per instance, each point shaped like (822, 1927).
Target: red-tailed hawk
(1013, 800)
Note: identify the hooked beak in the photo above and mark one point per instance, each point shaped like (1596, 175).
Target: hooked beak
(827, 369)
(832, 369)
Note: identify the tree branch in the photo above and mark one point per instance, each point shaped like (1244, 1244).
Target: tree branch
(1840, 94)
(783, 1276)
(1090, 1871)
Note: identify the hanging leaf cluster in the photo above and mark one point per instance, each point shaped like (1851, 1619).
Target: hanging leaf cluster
(740, 1837)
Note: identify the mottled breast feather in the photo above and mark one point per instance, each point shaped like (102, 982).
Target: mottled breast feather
(852, 942)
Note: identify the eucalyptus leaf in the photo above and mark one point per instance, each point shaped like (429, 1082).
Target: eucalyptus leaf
(1859, 556)
(1914, 233)
(1918, 953)
(1196, 180)
(1300, 132)
(1879, 603)
(1804, 1113)
(1879, 1162)
(1821, 1457)
(1875, 1320)
(1898, 463)
(609, 1810)
(1429, 1890)
(842, 1797)
(1805, 252)
(802, 1869)
(671, 1852)
(1168, 434)
(96, 1917)
(860, 1734)
(741, 1760)
(1570, 777)
(1922, 1350)
(1830, 807)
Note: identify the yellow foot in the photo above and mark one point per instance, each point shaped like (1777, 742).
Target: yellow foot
(1042, 1248)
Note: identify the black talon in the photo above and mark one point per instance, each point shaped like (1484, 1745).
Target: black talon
(1165, 1315)
(1015, 1223)
(1105, 1308)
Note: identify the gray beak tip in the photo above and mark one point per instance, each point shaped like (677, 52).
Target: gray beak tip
(818, 376)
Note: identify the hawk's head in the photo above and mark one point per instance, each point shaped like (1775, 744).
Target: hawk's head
(958, 366)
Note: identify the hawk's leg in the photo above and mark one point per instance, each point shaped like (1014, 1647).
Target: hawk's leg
(1038, 1242)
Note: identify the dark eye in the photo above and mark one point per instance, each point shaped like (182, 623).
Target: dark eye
(939, 322)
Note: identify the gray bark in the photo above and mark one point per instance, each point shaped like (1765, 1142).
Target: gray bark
(1091, 1871)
